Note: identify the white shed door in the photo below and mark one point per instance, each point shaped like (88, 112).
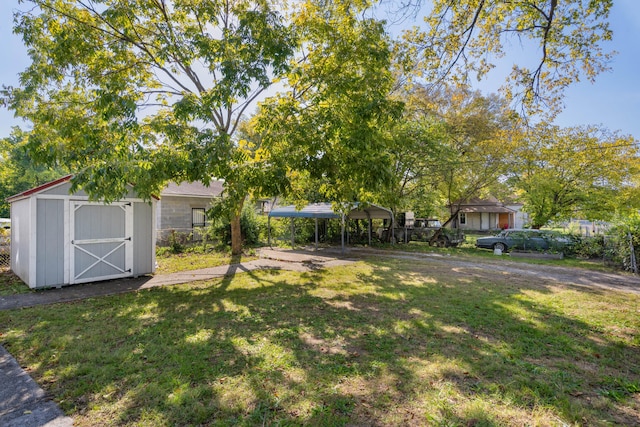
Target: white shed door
(101, 246)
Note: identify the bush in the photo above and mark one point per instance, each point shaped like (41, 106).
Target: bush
(250, 227)
(177, 242)
(623, 235)
(614, 248)
(586, 247)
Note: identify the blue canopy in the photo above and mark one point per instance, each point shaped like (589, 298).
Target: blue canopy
(314, 210)
(325, 211)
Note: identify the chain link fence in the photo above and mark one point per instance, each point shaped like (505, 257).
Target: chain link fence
(5, 252)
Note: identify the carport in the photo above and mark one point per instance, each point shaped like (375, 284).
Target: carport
(317, 211)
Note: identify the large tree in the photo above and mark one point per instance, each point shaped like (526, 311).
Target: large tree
(18, 172)
(147, 91)
(331, 121)
(455, 143)
(556, 43)
(583, 171)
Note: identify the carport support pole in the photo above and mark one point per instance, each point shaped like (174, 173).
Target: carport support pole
(269, 230)
(293, 235)
(316, 234)
(343, 233)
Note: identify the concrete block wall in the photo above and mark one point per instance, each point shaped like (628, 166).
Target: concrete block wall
(175, 213)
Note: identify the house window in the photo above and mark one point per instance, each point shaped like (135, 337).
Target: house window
(463, 218)
(198, 217)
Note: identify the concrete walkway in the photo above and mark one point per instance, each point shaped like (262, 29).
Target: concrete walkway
(24, 404)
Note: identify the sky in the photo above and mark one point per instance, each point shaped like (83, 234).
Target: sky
(613, 101)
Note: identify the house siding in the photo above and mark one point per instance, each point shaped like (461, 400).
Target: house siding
(481, 221)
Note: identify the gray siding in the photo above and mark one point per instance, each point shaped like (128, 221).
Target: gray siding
(20, 238)
(50, 243)
(63, 190)
(481, 221)
(99, 222)
(142, 239)
(83, 261)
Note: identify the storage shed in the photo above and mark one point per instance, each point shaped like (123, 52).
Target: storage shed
(58, 238)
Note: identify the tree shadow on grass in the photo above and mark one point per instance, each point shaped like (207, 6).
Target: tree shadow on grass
(388, 343)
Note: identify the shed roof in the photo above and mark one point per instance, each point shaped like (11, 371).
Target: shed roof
(43, 187)
(193, 189)
(39, 188)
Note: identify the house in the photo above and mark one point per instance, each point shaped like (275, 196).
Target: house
(489, 214)
(182, 208)
(60, 238)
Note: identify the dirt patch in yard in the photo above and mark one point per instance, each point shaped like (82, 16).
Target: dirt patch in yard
(510, 271)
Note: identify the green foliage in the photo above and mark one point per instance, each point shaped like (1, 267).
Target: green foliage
(588, 247)
(559, 172)
(250, 225)
(176, 242)
(18, 171)
(623, 235)
(452, 145)
(563, 41)
(330, 123)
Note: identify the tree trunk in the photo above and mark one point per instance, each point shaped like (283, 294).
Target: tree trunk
(236, 231)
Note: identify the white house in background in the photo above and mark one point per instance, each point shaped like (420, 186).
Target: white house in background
(490, 214)
(58, 238)
(182, 207)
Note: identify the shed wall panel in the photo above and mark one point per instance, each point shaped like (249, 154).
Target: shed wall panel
(50, 243)
(143, 246)
(20, 238)
(64, 188)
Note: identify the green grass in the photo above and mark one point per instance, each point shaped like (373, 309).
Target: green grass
(196, 258)
(10, 284)
(386, 342)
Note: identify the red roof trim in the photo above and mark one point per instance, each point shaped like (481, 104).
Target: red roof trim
(40, 188)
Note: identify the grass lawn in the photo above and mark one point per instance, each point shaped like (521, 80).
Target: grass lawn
(10, 284)
(383, 342)
(194, 260)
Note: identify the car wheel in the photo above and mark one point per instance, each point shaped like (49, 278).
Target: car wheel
(500, 246)
(441, 242)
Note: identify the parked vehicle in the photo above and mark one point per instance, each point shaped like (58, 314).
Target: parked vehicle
(423, 229)
(537, 240)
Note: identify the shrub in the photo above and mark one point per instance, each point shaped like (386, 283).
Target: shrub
(177, 242)
(586, 247)
(250, 227)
